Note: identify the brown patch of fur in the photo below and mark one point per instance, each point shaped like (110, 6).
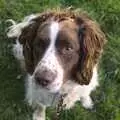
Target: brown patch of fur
(93, 42)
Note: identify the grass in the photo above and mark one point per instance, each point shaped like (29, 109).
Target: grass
(107, 96)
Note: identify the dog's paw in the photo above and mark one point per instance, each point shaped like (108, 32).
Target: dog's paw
(38, 115)
(68, 102)
(38, 118)
(87, 102)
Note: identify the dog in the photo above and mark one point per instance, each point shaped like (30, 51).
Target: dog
(60, 52)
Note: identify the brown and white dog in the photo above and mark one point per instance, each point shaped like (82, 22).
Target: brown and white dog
(60, 51)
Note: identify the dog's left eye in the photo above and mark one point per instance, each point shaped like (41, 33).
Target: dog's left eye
(67, 49)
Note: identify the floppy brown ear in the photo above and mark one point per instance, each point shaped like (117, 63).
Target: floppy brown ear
(92, 40)
(29, 32)
(27, 37)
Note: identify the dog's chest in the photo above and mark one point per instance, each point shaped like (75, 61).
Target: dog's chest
(46, 98)
(39, 96)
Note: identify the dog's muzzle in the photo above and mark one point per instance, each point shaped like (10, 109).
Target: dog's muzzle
(45, 77)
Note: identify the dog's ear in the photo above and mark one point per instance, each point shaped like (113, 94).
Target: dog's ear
(26, 39)
(29, 32)
(25, 32)
(91, 40)
(28, 36)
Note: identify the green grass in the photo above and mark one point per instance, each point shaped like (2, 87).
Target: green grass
(107, 96)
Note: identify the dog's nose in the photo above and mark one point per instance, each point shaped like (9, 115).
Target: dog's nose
(45, 77)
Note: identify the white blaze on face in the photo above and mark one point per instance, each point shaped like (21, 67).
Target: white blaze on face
(50, 60)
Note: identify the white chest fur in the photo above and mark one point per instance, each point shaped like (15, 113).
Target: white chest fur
(36, 95)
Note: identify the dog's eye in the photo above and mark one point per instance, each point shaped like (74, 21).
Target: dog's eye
(67, 49)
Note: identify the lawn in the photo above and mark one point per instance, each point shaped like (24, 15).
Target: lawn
(106, 97)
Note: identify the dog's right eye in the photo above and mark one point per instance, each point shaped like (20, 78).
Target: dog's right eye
(40, 42)
(38, 47)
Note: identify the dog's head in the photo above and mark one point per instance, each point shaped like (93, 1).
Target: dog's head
(61, 46)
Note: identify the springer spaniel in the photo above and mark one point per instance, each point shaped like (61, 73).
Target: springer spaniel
(60, 51)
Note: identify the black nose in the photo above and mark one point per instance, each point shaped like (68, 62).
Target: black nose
(45, 77)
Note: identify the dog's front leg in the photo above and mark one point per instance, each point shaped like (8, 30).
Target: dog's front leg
(39, 113)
